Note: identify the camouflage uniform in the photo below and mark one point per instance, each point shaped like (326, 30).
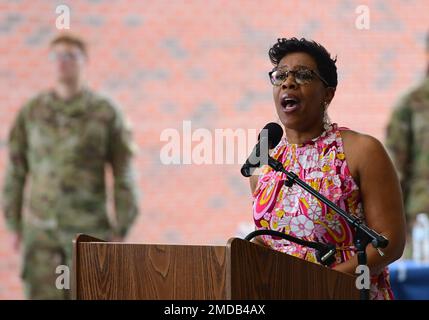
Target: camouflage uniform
(407, 141)
(408, 144)
(63, 148)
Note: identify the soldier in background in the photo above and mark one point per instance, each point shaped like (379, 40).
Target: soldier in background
(60, 143)
(407, 140)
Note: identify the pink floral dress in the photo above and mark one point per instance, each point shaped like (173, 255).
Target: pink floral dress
(321, 163)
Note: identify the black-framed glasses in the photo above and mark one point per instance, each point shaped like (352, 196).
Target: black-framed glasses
(302, 76)
(64, 56)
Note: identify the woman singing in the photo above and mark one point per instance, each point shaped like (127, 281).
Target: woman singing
(351, 169)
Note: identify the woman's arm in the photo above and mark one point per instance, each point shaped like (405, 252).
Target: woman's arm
(253, 180)
(381, 197)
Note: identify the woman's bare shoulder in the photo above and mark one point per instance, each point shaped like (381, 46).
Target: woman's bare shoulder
(357, 142)
(360, 150)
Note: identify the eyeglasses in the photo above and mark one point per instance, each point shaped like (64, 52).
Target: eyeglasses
(65, 56)
(302, 76)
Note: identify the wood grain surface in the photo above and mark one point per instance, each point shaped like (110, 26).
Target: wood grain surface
(261, 273)
(138, 271)
(239, 270)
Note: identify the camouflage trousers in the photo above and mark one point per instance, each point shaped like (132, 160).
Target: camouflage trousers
(43, 252)
(40, 263)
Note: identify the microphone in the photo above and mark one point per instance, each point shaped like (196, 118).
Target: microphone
(268, 138)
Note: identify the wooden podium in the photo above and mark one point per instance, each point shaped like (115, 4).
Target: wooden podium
(239, 270)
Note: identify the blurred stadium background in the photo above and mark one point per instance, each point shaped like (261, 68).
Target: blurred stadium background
(205, 61)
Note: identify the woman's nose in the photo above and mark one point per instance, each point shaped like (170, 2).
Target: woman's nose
(289, 83)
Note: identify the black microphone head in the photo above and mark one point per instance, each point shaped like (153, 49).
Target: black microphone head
(275, 134)
(272, 134)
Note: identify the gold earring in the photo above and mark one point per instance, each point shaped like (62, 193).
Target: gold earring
(326, 120)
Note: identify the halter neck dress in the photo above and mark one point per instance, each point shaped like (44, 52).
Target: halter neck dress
(321, 163)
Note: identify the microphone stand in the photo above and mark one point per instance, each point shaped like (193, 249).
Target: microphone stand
(364, 235)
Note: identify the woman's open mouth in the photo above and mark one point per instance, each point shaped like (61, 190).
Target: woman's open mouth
(289, 103)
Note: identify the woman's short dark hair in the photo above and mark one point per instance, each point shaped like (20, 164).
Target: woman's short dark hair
(325, 64)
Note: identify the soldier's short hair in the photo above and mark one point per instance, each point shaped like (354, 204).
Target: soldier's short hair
(72, 39)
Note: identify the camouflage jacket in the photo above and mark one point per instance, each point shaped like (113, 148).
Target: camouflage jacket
(407, 140)
(61, 149)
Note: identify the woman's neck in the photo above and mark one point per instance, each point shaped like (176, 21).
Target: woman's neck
(299, 137)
